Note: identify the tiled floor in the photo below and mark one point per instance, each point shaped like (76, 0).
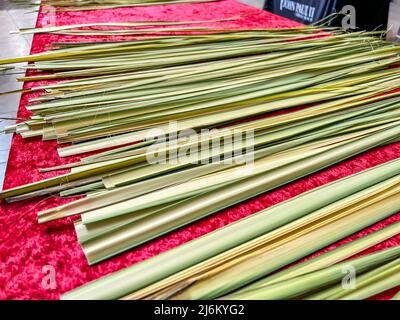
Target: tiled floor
(13, 17)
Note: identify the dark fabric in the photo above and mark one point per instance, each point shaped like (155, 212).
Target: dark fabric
(370, 15)
(304, 11)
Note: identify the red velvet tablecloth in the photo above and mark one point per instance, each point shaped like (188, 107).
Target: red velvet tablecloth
(27, 248)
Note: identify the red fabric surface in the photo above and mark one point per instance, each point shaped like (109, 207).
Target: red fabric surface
(26, 247)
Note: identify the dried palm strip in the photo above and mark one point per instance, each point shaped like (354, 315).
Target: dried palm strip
(61, 113)
(109, 154)
(227, 152)
(111, 59)
(73, 63)
(112, 154)
(301, 285)
(206, 38)
(115, 24)
(73, 7)
(88, 232)
(271, 257)
(190, 193)
(390, 280)
(159, 31)
(197, 46)
(305, 28)
(228, 237)
(167, 30)
(329, 258)
(112, 63)
(366, 285)
(51, 114)
(144, 171)
(4, 68)
(65, 185)
(123, 193)
(82, 189)
(97, 69)
(79, 5)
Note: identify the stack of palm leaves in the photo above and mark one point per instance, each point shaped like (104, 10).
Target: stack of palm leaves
(129, 87)
(124, 95)
(119, 98)
(237, 261)
(86, 5)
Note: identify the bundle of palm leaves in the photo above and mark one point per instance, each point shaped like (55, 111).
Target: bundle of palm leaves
(124, 96)
(152, 99)
(140, 28)
(238, 261)
(129, 86)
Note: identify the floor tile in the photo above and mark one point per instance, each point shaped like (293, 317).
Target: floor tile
(12, 18)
